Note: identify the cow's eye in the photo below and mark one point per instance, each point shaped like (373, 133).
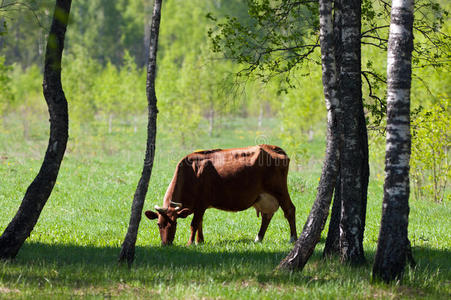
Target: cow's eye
(159, 225)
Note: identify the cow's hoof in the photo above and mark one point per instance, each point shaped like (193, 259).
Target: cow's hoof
(293, 239)
(258, 239)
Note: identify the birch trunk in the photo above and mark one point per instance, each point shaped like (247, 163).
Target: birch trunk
(211, 119)
(332, 246)
(347, 224)
(110, 123)
(316, 220)
(40, 189)
(354, 152)
(393, 245)
(260, 116)
(128, 246)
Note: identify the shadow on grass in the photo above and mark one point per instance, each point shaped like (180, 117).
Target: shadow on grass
(183, 256)
(158, 256)
(173, 264)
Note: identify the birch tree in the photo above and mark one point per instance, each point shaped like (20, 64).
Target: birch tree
(347, 224)
(350, 185)
(128, 246)
(316, 220)
(393, 245)
(40, 189)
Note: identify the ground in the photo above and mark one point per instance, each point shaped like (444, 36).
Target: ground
(74, 248)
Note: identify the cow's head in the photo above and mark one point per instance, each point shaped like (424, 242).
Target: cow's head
(167, 220)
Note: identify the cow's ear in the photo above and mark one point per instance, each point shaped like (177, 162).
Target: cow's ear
(151, 215)
(183, 213)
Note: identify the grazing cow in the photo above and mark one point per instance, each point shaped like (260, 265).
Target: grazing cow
(231, 180)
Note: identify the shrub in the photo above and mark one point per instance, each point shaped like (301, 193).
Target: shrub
(430, 167)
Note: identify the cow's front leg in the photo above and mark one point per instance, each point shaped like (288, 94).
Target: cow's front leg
(200, 234)
(196, 223)
(266, 218)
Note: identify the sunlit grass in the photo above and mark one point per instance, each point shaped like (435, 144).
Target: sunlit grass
(74, 247)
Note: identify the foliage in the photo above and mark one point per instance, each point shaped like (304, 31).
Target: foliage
(275, 38)
(194, 87)
(6, 95)
(104, 74)
(280, 36)
(101, 33)
(430, 161)
(191, 83)
(27, 25)
(301, 112)
(78, 79)
(431, 53)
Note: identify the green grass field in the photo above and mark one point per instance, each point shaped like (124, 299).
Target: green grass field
(73, 249)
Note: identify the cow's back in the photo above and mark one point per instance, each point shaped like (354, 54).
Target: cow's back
(230, 179)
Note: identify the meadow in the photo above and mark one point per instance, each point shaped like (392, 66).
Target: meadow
(73, 249)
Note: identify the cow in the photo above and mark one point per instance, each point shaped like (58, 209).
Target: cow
(230, 180)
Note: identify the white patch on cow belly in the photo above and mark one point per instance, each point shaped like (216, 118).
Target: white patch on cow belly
(266, 204)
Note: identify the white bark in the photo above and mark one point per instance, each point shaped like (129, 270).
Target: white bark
(393, 245)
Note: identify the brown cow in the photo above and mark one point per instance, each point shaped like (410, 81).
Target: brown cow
(231, 180)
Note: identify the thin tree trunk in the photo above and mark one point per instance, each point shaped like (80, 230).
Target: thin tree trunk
(311, 134)
(332, 246)
(316, 220)
(353, 162)
(40, 189)
(364, 171)
(211, 117)
(393, 245)
(260, 116)
(26, 123)
(128, 246)
(135, 124)
(110, 123)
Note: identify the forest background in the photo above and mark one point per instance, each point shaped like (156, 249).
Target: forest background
(202, 104)
(104, 78)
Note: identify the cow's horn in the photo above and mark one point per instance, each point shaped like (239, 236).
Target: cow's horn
(176, 204)
(161, 210)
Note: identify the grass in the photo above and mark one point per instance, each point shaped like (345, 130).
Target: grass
(73, 249)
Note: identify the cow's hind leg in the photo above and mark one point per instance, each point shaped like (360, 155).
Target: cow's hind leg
(290, 214)
(196, 223)
(200, 234)
(266, 218)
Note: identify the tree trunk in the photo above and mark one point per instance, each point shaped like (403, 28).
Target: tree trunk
(316, 220)
(332, 246)
(40, 189)
(211, 119)
(354, 156)
(260, 116)
(135, 124)
(25, 123)
(128, 246)
(110, 122)
(347, 224)
(393, 245)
